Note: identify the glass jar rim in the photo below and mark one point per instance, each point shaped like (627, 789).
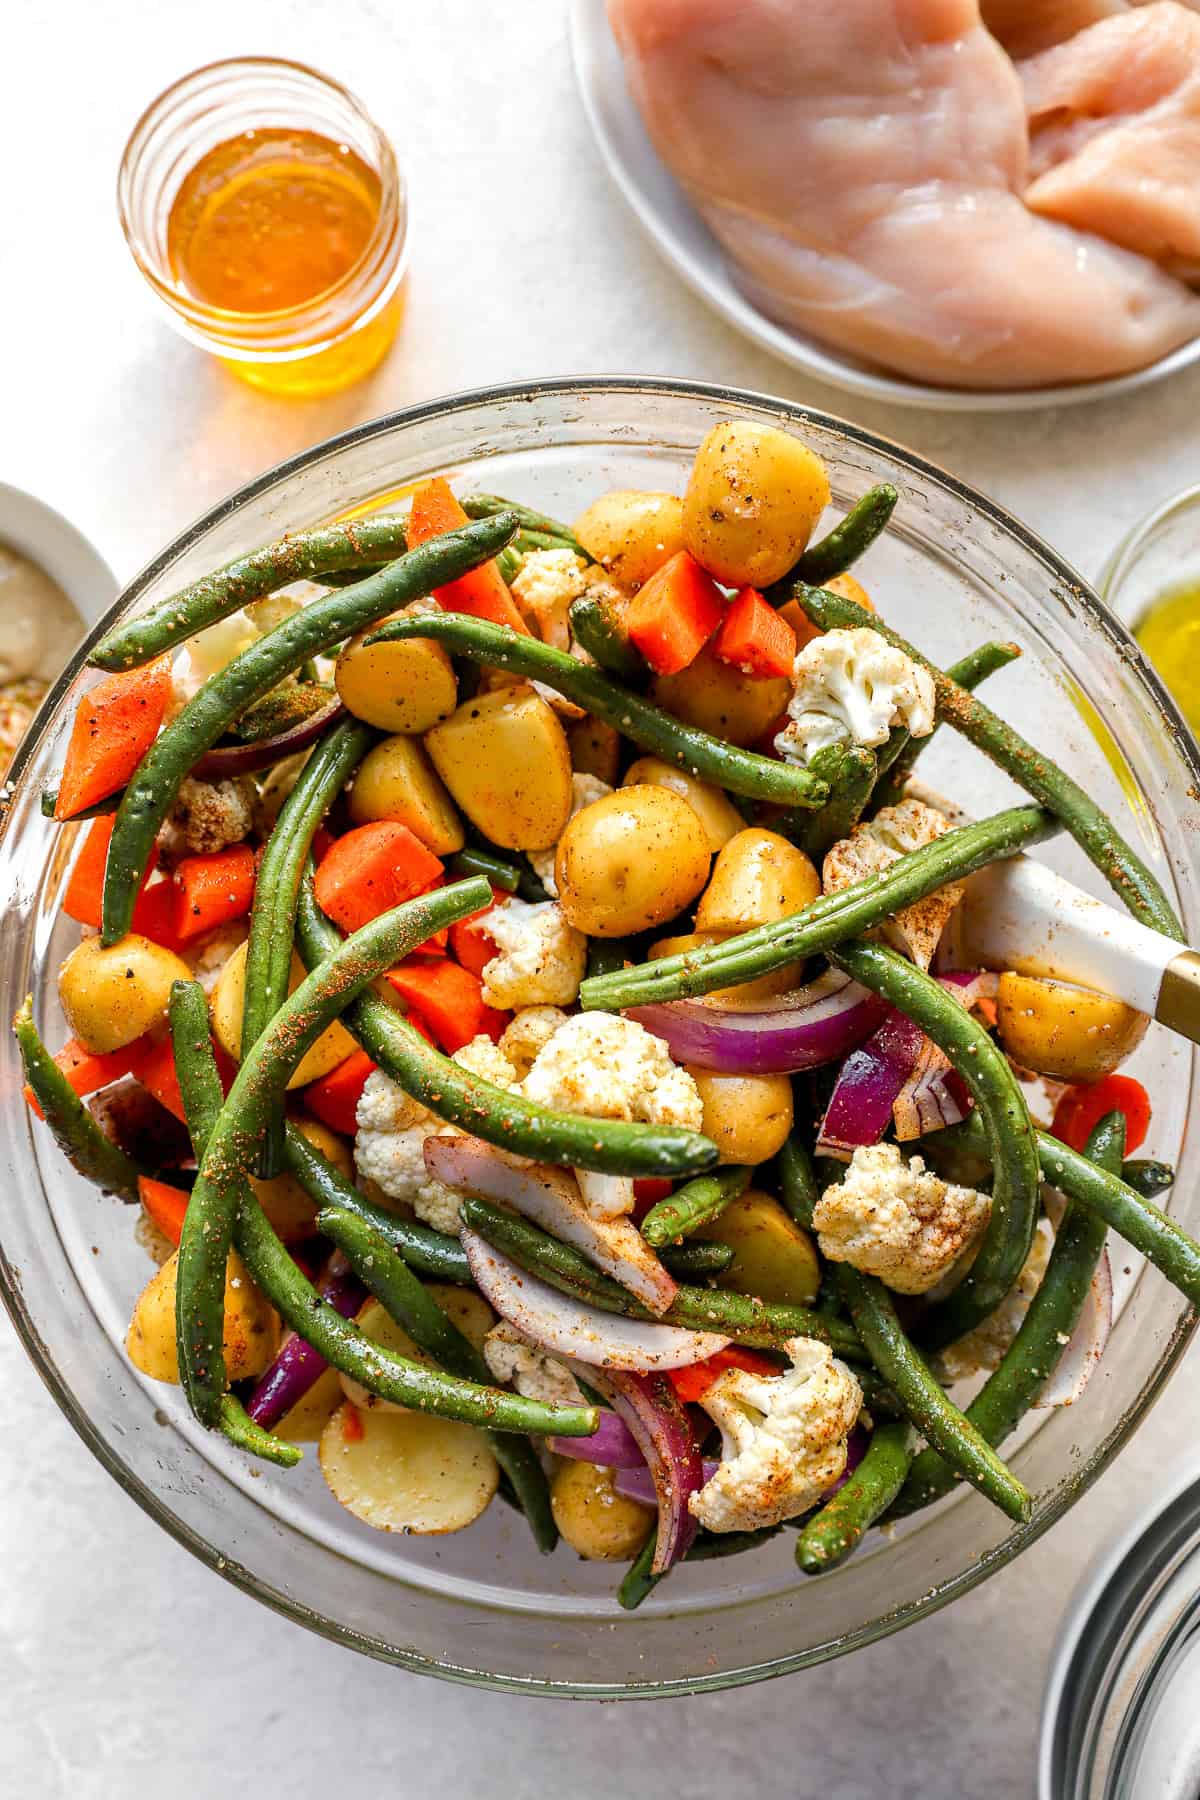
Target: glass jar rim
(1130, 547)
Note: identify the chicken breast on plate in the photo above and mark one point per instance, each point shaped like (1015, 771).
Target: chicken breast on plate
(862, 165)
(1027, 26)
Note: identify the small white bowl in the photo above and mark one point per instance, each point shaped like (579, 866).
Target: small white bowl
(60, 548)
(678, 232)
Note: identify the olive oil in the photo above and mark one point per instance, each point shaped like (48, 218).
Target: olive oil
(1169, 633)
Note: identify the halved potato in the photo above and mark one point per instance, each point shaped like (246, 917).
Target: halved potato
(504, 758)
(408, 1471)
(251, 1325)
(396, 780)
(228, 1001)
(313, 1411)
(403, 686)
(594, 1519)
(772, 1256)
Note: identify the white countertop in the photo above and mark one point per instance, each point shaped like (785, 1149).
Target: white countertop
(125, 1668)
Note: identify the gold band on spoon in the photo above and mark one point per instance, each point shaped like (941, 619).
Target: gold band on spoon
(1178, 1005)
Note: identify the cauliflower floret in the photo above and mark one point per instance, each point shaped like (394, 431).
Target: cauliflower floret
(544, 587)
(542, 958)
(389, 1147)
(609, 1067)
(984, 1347)
(898, 1220)
(852, 685)
(532, 1371)
(584, 790)
(209, 815)
(872, 847)
(208, 955)
(783, 1439)
(528, 1033)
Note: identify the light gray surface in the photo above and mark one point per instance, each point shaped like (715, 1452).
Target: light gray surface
(125, 1668)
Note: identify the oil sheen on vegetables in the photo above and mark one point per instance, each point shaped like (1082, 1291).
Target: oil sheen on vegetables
(1169, 633)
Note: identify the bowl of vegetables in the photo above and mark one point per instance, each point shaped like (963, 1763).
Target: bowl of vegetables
(474, 900)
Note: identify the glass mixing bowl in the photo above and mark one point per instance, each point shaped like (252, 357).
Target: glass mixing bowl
(952, 571)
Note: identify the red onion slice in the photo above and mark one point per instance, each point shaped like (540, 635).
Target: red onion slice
(567, 1327)
(638, 1484)
(658, 1420)
(297, 1366)
(1087, 1342)
(612, 1446)
(805, 1029)
(228, 760)
(551, 1198)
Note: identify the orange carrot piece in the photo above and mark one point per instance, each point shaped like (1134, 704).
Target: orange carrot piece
(693, 1382)
(673, 616)
(334, 1098)
(90, 1070)
(154, 915)
(85, 890)
(470, 944)
(213, 890)
(164, 1206)
(115, 724)
(448, 999)
(754, 638)
(370, 870)
(483, 592)
(155, 1069)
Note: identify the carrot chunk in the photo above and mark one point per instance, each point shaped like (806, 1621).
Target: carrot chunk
(164, 1205)
(213, 890)
(448, 999)
(483, 592)
(693, 1382)
(334, 1098)
(115, 724)
(90, 1070)
(673, 616)
(754, 638)
(84, 897)
(370, 870)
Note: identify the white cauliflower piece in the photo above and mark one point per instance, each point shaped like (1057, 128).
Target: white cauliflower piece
(984, 1347)
(783, 1439)
(872, 847)
(532, 1371)
(853, 686)
(544, 587)
(389, 1147)
(207, 956)
(585, 789)
(898, 1220)
(209, 815)
(529, 1031)
(542, 958)
(609, 1067)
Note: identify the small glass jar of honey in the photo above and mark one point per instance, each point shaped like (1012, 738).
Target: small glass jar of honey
(266, 209)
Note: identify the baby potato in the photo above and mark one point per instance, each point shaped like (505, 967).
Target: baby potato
(632, 533)
(748, 1117)
(772, 1256)
(721, 700)
(408, 1471)
(630, 861)
(305, 1422)
(111, 996)
(251, 1325)
(396, 780)
(748, 993)
(406, 686)
(595, 748)
(1070, 1033)
(754, 495)
(714, 809)
(285, 1202)
(593, 1518)
(758, 877)
(227, 1002)
(505, 760)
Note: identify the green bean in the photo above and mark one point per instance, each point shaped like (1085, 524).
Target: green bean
(501, 874)
(975, 667)
(1147, 1176)
(695, 1259)
(1044, 1332)
(827, 920)
(412, 1306)
(237, 1425)
(1083, 817)
(273, 918)
(845, 806)
(155, 782)
(603, 636)
(1151, 1233)
(68, 1120)
(304, 557)
(834, 1532)
(849, 539)
(742, 771)
(509, 563)
(797, 1180)
(430, 1252)
(611, 1146)
(761, 1324)
(49, 804)
(997, 1095)
(291, 703)
(638, 1582)
(694, 1205)
(486, 506)
(935, 1416)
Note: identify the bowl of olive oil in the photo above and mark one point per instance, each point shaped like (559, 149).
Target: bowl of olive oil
(1152, 583)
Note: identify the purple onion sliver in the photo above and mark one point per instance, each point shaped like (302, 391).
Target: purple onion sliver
(638, 1484)
(298, 1366)
(612, 1445)
(806, 1029)
(228, 760)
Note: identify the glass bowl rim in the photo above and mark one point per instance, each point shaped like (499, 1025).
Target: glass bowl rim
(1097, 616)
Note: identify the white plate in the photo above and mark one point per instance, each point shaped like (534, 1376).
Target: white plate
(675, 228)
(51, 541)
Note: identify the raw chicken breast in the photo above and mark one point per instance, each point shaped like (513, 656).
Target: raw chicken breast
(1026, 26)
(862, 165)
(1115, 120)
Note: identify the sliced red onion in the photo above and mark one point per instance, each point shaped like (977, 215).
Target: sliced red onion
(612, 1445)
(228, 760)
(638, 1484)
(1087, 1342)
(297, 1366)
(566, 1326)
(659, 1422)
(551, 1198)
(933, 1097)
(805, 1029)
